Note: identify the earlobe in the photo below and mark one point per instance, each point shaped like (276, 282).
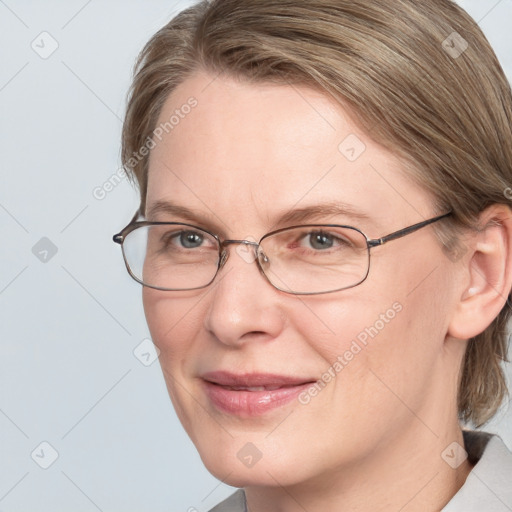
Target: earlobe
(488, 274)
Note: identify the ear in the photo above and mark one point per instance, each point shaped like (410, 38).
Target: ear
(488, 273)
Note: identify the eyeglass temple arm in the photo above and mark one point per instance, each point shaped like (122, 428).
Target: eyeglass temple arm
(405, 231)
(119, 237)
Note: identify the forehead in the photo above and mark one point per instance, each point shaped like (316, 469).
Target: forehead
(246, 153)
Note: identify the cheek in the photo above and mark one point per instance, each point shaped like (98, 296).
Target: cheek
(173, 323)
(376, 345)
(349, 321)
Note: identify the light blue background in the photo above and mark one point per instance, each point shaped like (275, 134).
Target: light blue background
(68, 374)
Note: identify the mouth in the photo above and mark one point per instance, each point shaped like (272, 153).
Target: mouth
(252, 394)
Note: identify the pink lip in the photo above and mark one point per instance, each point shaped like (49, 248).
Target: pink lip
(226, 391)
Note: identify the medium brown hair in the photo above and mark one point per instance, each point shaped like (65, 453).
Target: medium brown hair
(420, 77)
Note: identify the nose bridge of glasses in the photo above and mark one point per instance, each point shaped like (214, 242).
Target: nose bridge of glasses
(224, 253)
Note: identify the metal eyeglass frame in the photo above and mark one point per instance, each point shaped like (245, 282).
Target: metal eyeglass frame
(223, 254)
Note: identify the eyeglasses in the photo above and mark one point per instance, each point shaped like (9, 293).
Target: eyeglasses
(301, 260)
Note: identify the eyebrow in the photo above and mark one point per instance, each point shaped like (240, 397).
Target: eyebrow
(168, 208)
(320, 211)
(294, 216)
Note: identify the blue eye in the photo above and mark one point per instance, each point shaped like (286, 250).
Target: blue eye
(190, 239)
(321, 240)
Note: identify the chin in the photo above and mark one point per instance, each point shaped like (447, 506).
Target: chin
(251, 460)
(260, 475)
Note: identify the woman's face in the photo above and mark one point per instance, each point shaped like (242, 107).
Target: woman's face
(240, 358)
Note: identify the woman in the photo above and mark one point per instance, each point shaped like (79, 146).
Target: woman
(325, 244)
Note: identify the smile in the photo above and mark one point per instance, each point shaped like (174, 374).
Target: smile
(251, 395)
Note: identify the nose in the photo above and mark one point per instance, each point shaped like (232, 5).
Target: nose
(247, 247)
(243, 305)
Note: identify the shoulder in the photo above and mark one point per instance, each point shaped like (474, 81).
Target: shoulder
(235, 503)
(488, 486)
